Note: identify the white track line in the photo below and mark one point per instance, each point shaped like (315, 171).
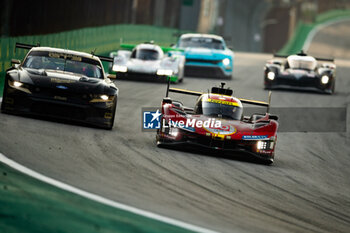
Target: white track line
(100, 199)
(313, 32)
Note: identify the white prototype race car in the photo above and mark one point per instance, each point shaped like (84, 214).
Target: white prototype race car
(147, 61)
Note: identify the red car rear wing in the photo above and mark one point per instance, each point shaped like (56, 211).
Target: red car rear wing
(245, 101)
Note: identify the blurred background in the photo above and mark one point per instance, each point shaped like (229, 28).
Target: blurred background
(247, 25)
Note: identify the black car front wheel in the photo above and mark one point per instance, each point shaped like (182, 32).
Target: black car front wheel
(111, 121)
(333, 87)
(267, 162)
(330, 90)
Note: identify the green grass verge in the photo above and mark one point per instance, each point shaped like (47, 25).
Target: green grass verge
(29, 205)
(296, 43)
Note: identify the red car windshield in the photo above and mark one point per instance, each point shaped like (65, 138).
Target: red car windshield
(219, 110)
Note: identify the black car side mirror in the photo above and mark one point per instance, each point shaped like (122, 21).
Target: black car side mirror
(111, 76)
(15, 62)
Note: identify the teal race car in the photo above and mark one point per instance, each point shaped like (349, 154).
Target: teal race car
(206, 55)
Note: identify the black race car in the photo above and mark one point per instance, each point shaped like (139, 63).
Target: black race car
(60, 83)
(300, 71)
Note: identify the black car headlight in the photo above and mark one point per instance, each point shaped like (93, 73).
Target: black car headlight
(97, 98)
(271, 75)
(324, 79)
(19, 86)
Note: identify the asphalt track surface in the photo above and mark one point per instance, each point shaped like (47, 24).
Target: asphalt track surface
(307, 189)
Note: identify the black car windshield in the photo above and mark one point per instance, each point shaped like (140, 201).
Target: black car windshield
(302, 62)
(201, 42)
(64, 62)
(220, 110)
(147, 54)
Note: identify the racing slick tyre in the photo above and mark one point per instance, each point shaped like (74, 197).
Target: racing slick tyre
(158, 141)
(110, 126)
(333, 88)
(2, 107)
(228, 77)
(330, 91)
(177, 81)
(267, 162)
(267, 87)
(4, 98)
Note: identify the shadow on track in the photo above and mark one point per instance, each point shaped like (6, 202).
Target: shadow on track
(239, 156)
(53, 119)
(308, 92)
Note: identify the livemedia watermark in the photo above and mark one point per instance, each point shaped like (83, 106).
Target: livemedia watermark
(332, 119)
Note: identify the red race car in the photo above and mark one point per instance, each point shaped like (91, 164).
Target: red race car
(216, 122)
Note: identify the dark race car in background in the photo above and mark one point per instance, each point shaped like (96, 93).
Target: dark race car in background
(222, 126)
(147, 61)
(206, 56)
(60, 83)
(301, 72)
